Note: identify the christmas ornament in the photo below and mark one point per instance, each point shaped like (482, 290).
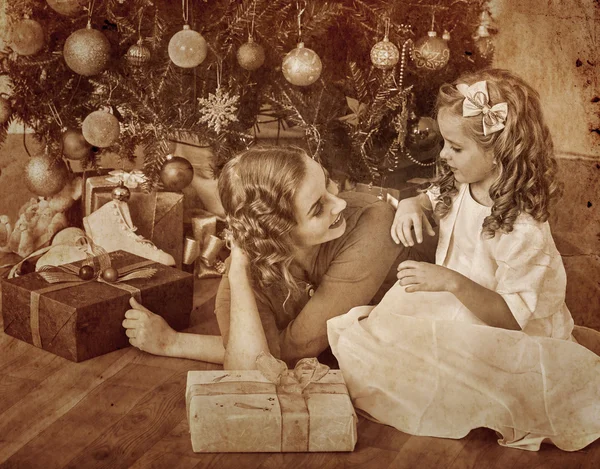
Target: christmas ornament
(218, 110)
(138, 54)
(301, 66)
(250, 55)
(431, 52)
(75, 146)
(67, 7)
(446, 36)
(87, 51)
(110, 274)
(5, 110)
(187, 48)
(86, 272)
(423, 134)
(121, 193)
(101, 129)
(27, 37)
(176, 173)
(483, 41)
(385, 54)
(45, 176)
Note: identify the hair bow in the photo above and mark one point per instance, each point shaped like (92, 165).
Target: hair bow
(477, 101)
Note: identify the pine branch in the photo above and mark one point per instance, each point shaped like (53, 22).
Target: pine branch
(358, 82)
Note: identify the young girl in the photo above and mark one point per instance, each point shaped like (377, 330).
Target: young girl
(425, 359)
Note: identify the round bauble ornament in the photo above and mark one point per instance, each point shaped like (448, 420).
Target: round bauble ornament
(187, 48)
(87, 51)
(110, 274)
(385, 54)
(176, 173)
(422, 134)
(86, 272)
(301, 66)
(27, 37)
(75, 146)
(101, 129)
(138, 54)
(46, 176)
(250, 55)
(5, 110)
(483, 42)
(446, 36)
(121, 193)
(430, 52)
(67, 7)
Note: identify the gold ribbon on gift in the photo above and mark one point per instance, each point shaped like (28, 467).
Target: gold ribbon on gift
(292, 388)
(67, 277)
(204, 246)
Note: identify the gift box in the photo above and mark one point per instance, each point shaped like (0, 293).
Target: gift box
(158, 216)
(80, 319)
(271, 409)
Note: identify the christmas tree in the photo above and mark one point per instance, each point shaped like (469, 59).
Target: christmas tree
(359, 76)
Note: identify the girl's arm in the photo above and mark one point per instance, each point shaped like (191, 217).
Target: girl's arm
(410, 215)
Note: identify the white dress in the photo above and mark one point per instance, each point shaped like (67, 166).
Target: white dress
(426, 365)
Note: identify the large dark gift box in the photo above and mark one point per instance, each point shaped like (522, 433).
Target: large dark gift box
(82, 320)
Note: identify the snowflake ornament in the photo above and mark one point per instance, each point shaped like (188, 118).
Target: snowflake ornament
(218, 110)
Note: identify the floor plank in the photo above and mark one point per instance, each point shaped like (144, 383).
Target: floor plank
(12, 390)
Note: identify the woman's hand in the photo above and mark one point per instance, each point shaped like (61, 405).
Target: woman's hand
(411, 215)
(148, 331)
(423, 276)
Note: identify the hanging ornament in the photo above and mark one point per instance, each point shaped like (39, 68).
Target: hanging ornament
(301, 66)
(46, 176)
(446, 36)
(218, 110)
(75, 146)
(251, 55)
(483, 40)
(67, 7)
(87, 51)
(138, 54)
(187, 48)
(431, 52)
(101, 129)
(121, 192)
(422, 133)
(27, 37)
(176, 173)
(5, 110)
(385, 54)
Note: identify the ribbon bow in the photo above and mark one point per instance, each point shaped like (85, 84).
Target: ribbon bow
(204, 246)
(477, 101)
(130, 180)
(306, 371)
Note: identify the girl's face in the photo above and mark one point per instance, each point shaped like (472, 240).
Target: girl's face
(467, 160)
(318, 209)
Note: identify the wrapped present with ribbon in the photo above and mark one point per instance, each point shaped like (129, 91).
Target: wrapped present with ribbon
(206, 248)
(158, 216)
(76, 313)
(271, 409)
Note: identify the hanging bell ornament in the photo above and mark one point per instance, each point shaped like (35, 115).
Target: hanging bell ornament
(121, 193)
(446, 36)
(138, 54)
(430, 52)
(385, 54)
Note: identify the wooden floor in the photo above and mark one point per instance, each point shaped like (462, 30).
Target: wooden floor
(126, 409)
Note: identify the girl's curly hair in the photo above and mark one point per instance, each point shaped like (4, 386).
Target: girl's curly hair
(523, 151)
(257, 190)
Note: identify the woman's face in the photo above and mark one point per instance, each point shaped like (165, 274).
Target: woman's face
(318, 209)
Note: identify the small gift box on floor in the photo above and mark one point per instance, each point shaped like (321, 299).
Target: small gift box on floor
(80, 319)
(158, 216)
(271, 409)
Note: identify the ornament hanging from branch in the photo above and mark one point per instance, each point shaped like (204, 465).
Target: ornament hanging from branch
(187, 48)
(176, 173)
(27, 37)
(301, 66)
(385, 54)
(431, 52)
(46, 176)
(219, 109)
(138, 54)
(101, 128)
(251, 56)
(483, 40)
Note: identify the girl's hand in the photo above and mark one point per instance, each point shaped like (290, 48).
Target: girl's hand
(423, 276)
(148, 331)
(410, 215)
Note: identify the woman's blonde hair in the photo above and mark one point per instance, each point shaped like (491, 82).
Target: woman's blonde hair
(257, 190)
(523, 151)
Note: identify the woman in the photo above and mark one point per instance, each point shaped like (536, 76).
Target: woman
(300, 255)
